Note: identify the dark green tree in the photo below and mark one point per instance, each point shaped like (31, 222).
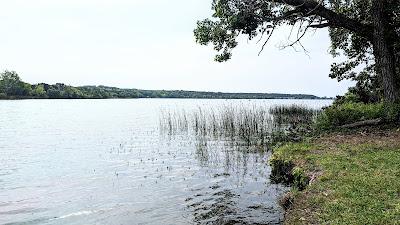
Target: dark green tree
(11, 85)
(367, 32)
(39, 91)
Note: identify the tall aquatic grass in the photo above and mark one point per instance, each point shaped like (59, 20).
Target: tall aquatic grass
(293, 114)
(256, 125)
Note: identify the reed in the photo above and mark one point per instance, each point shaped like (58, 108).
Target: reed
(293, 114)
(253, 125)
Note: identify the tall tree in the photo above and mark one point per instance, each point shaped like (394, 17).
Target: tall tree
(367, 32)
(11, 84)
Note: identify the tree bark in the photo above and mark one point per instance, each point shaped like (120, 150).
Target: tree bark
(363, 123)
(379, 33)
(384, 52)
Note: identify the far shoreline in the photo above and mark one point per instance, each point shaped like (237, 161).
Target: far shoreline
(12, 99)
(13, 88)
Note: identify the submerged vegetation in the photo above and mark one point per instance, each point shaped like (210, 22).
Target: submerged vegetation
(12, 87)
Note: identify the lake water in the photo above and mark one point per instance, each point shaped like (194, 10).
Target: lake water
(106, 162)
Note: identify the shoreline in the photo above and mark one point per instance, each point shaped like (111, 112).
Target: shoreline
(33, 98)
(341, 178)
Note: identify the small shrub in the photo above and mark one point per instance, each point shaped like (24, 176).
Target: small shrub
(349, 97)
(281, 171)
(287, 173)
(300, 179)
(347, 113)
(392, 113)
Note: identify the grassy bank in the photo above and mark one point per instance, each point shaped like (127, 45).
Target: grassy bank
(342, 178)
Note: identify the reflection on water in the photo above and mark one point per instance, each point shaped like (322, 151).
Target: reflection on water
(106, 162)
(239, 191)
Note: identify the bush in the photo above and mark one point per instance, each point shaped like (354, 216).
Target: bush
(347, 98)
(347, 113)
(392, 113)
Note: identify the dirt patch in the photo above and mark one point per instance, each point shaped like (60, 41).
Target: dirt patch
(384, 138)
(300, 210)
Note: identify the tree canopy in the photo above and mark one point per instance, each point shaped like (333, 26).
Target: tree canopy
(366, 32)
(12, 87)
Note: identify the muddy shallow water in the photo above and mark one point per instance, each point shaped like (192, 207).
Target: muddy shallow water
(106, 162)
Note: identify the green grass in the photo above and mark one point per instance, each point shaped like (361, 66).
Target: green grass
(357, 183)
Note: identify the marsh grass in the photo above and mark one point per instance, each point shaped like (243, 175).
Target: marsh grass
(253, 125)
(293, 114)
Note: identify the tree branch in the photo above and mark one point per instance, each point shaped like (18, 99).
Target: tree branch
(336, 20)
(321, 25)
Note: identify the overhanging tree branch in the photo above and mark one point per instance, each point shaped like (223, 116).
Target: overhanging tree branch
(321, 25)
(335, 20)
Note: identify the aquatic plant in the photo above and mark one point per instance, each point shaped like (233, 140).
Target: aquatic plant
(252, 125)
(293, 114)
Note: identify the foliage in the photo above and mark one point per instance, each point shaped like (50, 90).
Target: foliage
(347, 113)
(350, 112)
(284, 170)
(351, 29)
(349, 97)
(39, 91)
(12, 87)
(392, 113)
(366, 90)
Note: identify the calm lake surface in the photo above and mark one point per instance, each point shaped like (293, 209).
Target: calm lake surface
(107, 162)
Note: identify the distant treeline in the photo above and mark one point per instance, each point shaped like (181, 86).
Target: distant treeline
(12, 87)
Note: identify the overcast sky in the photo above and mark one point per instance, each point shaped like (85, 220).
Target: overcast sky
(149, 45)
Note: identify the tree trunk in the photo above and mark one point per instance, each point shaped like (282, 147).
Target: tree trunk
(383, 52)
